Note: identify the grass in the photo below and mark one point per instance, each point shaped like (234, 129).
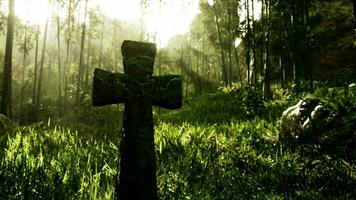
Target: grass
(47, 163)
(201, 154)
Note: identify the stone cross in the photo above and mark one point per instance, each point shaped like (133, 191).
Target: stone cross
(139, 90)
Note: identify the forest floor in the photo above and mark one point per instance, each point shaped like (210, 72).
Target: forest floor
(224, 145)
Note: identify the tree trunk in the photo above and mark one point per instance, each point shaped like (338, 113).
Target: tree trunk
(81, 57)
(238, 67)
(294, 57)
(60, 104)
(116, 48)
(203, 64)
(101, 45)
(281, 67)
(160, 42)
(230, 42)
(188, 68)
(354, 6)
(34, 93)
(66, 66)
(262, 62)
(254, 44)
(39, 87)
(247, 35)
(182, 62)
(23, 75)
(197, 87)
(6, 103)
(223, 60)
(87, 69)
(266, 86)
(159, 60)
(309, 66)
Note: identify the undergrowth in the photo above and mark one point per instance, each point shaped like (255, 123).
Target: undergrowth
(220, 146)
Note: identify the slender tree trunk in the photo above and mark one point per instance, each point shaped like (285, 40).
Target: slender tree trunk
(116, 48)
(39, 87)
(248, 38)
(67, 58)
(262, 63)
(238, 67)
(281, 67)
(60, 103)
(197, 71)
(309, 66)
(254, 44)
(160, 42)
(203, 61)
(34, 93)
(6, 100)
(208, 70)
(87, 69)
(101, 45)
(188, 68)
(182, 62)
(142, 8)
(23, 75)
(266, 86)
(296, 54)
(294, 57)
(282, 63)
(159, 59)
(113, 50)
(230, 42)
(222, 53)
(81, 57)
(354, 7)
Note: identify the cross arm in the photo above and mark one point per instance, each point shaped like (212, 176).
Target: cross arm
(167, 91)
(111, 88)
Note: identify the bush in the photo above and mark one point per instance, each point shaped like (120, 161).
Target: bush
(224, 106)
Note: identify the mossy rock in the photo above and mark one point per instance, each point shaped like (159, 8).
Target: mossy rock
(296, 119)
(6, 124)
(322, 125)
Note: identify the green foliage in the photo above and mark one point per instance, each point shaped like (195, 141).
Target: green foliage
(226, 105)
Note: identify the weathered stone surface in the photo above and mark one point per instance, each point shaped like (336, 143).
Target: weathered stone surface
(139, 68)
(108, 88)
(131, 49)
(139, 90)
(166, 91)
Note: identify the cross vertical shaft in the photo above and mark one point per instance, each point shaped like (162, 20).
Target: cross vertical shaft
(137, 179)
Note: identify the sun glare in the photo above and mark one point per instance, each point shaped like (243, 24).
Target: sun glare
(172, 19)
(32, 11)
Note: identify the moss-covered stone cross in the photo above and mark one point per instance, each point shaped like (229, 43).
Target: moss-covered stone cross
(139, 90)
